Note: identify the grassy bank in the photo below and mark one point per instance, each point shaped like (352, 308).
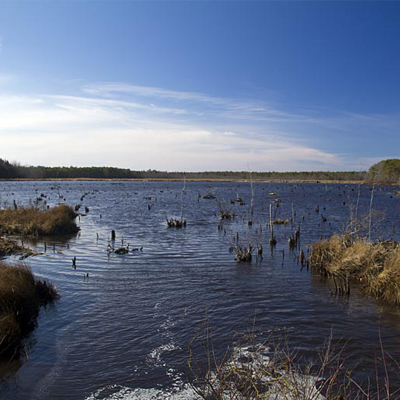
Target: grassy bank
(36, 222)
(376, 266)
(20, 299)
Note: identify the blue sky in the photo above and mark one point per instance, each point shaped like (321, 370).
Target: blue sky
(200, 85)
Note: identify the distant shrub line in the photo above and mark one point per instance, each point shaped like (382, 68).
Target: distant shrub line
(14, 171)
(387, 171)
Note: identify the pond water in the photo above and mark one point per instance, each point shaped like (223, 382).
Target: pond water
(123, 332)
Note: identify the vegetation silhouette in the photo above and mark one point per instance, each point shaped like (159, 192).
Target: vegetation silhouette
(15, 171)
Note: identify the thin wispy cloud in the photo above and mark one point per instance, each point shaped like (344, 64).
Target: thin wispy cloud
(146, 127)
(233, 108)
(72, 101)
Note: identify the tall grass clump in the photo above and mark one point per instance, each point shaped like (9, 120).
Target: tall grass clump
(8, 247)
(31, 221)
(21, 296)
(375, 265)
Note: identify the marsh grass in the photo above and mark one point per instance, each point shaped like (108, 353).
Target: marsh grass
(32, 221)
(21, 296)
(375, 265)
(176, 223)
(225, 211)
(9, 247)
(244, 253)
(280, 222)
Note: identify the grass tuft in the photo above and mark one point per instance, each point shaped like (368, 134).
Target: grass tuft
(31, 221)
(20, 299)
(375, 265)
(8, 247)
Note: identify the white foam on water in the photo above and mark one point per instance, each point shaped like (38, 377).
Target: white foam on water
(124, 393)
(256, 359)
(154, 357)
(291, 386)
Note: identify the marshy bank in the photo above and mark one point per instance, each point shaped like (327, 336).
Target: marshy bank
(33, 221)
(21, 296)
(375, 265)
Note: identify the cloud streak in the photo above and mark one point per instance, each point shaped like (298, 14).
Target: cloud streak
(145, 127)
(232, 108)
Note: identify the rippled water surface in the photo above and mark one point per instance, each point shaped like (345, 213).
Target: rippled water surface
(124, 331)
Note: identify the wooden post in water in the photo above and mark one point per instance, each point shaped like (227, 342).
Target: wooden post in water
(272, 240)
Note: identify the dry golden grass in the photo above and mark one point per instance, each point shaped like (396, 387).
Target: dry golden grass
(35, 222)
(387, 283)
(375, 265)
(8, 247)
(20, 298)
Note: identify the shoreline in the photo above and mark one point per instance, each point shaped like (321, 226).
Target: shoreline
(323, 181)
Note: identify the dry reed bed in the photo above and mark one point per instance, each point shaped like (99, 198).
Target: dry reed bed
(33, 221)
(375, 265)
(21, 296)
(8, 247)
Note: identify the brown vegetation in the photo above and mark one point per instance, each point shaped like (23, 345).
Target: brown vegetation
(225, 211)
(244, 253)
(226, 215)
(176, 223)
(8, 247)
(375, 265)
(281, 222)
(33, 221)
(20, 299)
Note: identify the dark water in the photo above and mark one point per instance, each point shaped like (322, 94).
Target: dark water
(124, 331)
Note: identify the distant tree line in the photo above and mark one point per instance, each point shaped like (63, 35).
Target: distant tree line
(7, 170)
(386, 171)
